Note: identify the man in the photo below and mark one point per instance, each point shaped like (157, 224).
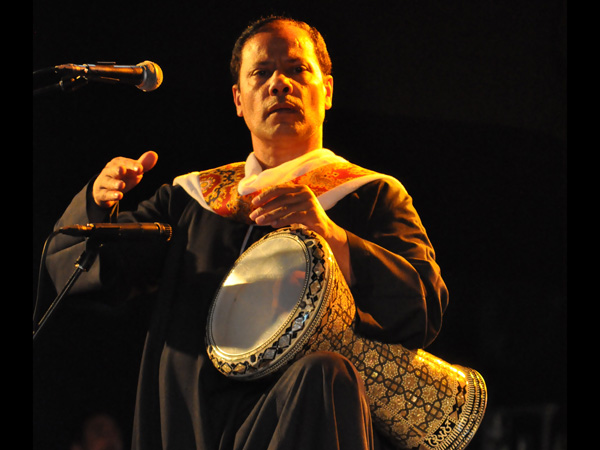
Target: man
(282, 88)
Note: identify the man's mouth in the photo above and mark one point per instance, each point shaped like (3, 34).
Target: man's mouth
(284, 107)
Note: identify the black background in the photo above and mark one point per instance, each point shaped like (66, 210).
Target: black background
(463, 101)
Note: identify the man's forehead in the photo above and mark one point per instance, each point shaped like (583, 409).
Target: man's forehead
(277, 41)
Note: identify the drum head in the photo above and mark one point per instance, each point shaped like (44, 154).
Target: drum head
(259, 296)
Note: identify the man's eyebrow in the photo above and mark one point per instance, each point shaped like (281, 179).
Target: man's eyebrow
(266, 62)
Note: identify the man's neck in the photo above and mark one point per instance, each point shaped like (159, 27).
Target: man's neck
(274, 154)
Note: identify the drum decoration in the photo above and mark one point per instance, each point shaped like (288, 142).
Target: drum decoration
(285, 297)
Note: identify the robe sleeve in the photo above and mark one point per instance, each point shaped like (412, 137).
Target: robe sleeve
(399, 292)
(64, 251)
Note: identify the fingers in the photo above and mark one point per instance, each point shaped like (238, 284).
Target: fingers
(119, 176)
(285, 205)
(106, 198)
(278, 192)
(278, 217)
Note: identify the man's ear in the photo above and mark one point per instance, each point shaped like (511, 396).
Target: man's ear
(237, 100)
(328, 84)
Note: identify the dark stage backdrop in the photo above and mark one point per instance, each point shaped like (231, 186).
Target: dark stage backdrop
(463, 101)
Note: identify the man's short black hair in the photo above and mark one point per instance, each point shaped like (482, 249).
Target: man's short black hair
(262, 23)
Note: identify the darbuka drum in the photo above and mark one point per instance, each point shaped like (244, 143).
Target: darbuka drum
(286, 297)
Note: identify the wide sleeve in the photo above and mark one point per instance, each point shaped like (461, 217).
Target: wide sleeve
(398, 290)
(64, 251)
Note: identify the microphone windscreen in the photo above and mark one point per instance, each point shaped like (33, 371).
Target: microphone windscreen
(153, 76)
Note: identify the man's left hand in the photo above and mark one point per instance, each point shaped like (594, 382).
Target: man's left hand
(289, 204)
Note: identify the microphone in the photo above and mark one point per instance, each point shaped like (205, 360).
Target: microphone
(116, 231)
(146, 76)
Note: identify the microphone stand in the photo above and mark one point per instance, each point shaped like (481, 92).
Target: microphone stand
(83, 264)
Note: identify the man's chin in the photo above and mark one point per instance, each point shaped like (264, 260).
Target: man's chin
(286, 130)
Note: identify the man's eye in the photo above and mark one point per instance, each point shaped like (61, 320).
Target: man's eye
(300, 69)
(260, 73)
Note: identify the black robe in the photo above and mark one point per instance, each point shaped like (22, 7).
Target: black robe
(182, 401)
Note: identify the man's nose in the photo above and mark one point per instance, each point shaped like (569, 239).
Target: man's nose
(280, 84)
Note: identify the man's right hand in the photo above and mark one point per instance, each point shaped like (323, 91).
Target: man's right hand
(120, 176)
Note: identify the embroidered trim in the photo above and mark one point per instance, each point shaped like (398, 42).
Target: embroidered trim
(330, 177)
(219, 186)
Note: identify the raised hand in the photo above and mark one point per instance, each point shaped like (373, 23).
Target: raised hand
(119, 176)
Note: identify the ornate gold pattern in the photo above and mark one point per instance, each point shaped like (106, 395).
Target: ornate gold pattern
(219, 186)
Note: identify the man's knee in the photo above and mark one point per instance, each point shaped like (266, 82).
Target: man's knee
(324, 393)
(330, 367)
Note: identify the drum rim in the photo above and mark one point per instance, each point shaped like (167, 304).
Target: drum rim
(313, 311)
(293, 311)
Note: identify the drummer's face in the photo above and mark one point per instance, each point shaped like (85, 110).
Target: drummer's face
(282, 93)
